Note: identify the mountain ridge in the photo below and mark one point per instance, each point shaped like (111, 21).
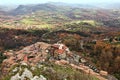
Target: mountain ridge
(23, 9)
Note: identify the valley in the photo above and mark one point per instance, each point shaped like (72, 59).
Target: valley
(93, 33)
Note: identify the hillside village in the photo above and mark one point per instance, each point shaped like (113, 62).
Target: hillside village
(60, 41)
(41, 52)
(59, 53)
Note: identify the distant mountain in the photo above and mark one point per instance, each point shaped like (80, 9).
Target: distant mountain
(73, 5)
(51, 6)
(59, 6)
(8, 7)
(108, 5)
(25, 9)
(88, 5)
(2, 12)
(1, 8)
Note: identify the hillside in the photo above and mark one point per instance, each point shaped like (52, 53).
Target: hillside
(54, 15)
(25, 9)
(38, 35)
(36, 57)
(71, 39)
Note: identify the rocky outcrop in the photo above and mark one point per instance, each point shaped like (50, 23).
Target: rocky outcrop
(27, 74)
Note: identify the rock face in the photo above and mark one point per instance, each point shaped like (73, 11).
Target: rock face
(42, 77)
(25, 75)
(16, 77)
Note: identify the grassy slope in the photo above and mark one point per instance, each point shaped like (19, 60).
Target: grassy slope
(55, 72)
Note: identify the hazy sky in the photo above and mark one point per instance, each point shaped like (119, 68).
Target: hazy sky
(11, 2)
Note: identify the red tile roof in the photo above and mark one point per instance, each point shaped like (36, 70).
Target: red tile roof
(60, 51)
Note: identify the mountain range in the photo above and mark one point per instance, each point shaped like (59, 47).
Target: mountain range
(58, 4)
(53, 12)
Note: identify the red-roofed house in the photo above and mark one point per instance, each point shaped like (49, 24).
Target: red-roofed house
(60, 50)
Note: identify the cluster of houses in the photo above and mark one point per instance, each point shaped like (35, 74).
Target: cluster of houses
(40, 52)
(34, 54)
